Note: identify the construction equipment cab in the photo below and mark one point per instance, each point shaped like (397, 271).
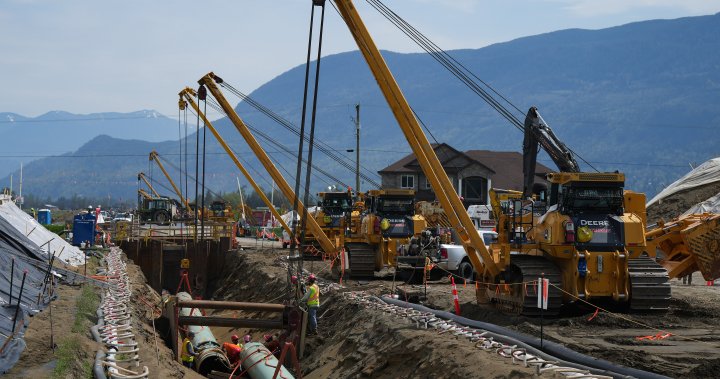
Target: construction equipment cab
(157, 210)
(334, 209)
(390, 221)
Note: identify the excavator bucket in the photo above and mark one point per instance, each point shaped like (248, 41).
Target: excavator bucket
(703, 240)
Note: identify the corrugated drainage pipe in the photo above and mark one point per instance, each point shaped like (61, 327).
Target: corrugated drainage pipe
(551, 350)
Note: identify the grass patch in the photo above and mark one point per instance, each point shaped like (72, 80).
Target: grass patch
(87, 305)
(72, 357)
(68, 353)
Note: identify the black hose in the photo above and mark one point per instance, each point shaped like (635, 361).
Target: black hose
(550, 350)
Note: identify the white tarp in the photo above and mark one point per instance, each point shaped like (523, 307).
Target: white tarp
(711, 205)
(287, 217)
(28, 226)
(706, 173)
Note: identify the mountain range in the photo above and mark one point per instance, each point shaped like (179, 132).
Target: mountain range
(640, 98)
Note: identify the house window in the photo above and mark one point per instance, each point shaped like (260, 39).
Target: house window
(427, 184)
(474, 189)
(407, 181)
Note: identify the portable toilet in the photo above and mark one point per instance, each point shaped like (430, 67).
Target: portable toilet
(83, 228)
(44, 217)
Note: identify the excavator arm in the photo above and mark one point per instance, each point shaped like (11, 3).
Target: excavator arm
(209, 81)
(476, 250)
(187, 97)
(538, 133)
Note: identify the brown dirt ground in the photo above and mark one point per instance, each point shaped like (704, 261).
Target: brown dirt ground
(356, 342)
(38, 360)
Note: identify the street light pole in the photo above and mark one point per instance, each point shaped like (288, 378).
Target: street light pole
(357, 148)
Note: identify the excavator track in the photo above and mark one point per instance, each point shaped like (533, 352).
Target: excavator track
(522, 298)
(362, 260)
(649, 285)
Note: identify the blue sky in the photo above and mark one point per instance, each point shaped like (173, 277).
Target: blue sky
(87, 56)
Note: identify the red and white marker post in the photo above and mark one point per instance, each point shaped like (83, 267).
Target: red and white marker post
(455, 296)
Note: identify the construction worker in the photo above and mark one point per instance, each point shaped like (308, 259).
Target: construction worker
(312, 297)
(232, 350)
(247, 339)
(272, 343)
(299, 287)
(187, 354)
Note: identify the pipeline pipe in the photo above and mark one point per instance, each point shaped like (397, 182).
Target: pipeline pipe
(98, 367)
(553, 349)
(210, 356)
(231, 305)
(232, 322)
(260, 363)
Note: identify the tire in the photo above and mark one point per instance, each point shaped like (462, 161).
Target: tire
(465, 270)
(162, 217)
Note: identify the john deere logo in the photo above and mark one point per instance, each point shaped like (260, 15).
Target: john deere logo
(384, 224)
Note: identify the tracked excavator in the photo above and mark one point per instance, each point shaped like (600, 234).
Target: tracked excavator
(587, 244)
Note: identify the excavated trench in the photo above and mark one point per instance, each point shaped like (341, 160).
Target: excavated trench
(354, 341)
(358, 342)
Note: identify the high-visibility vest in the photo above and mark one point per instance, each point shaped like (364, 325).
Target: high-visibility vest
(314, 299)
(184, 355)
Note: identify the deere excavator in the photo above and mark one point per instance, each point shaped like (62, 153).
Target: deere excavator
(590, 242)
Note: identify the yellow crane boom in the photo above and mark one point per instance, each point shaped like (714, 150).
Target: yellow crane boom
(476, 250)
(325, 243)
(144, 194)
(144, 179)
(154, 156)
(186, 97)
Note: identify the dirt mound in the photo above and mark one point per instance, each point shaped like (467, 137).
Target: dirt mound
(676, 204)
(358, 342)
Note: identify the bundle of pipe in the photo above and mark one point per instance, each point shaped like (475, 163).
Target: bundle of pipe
(210, 356)
(259, 363)
(119, 356)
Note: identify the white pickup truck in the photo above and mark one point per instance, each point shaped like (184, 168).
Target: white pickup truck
(454, 259)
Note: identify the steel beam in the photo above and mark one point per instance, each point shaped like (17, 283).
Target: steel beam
(231, 322)
(231, 305)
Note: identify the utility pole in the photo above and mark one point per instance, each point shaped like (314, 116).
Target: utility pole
(357, 149)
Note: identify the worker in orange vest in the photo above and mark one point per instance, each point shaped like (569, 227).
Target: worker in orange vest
(232, 350)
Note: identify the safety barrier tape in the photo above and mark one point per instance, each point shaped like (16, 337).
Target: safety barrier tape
(121, 353)
(480, 339)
